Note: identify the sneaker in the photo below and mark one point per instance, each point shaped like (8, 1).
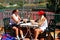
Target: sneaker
(17, 38)
(23, 38)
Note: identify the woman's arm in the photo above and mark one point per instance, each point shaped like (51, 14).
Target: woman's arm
(13, 17)
(41, 21)
(19, 17)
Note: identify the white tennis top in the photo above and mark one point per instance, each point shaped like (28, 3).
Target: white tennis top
(44, 25)
(11, 20)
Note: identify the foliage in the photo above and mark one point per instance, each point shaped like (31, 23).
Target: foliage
(2, 7)
(20, 3)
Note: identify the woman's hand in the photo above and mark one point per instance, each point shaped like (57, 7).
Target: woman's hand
(32, 22)
(25, 20)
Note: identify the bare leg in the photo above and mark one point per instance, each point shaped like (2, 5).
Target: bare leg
(21, 33)
(37, 31)
(16, 29)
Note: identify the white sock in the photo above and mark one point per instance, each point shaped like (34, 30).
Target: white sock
(17, 36)
(22, 36)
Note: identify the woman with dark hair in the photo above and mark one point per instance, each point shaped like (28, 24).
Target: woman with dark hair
(42, 23)
(14, 20)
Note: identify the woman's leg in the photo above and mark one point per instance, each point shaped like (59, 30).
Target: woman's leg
(21, 32)
(37, 31)
(16, 29)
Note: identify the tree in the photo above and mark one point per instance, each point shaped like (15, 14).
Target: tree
(52, 5)
(2, 7)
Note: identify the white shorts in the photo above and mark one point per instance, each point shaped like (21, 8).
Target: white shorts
(43, 28)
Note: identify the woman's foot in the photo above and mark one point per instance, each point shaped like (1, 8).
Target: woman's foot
(17, 38)
(23, 38)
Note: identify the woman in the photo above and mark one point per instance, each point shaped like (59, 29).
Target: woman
(42, 23)
(15, 19)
